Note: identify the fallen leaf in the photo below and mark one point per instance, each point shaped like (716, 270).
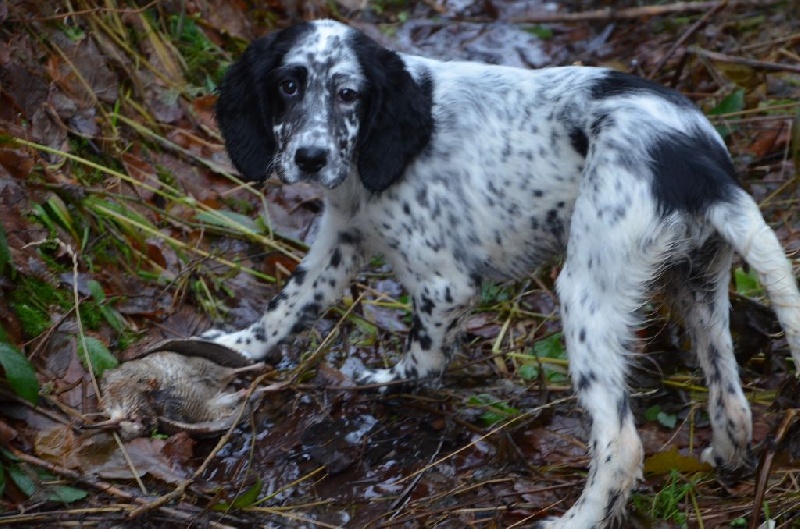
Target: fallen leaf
(664, 462)
(147, 455)
(56, 445)
(769, 140)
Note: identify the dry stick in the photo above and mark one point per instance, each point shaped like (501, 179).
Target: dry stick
(102, 486)
(635, 12)
(64, 16)
(765, 465)
(77, 299)
(402, 500)
(458, 508)
(127, 457)
(786, 40)
(683, 38)
(65, 518)
(752, 63)
(488, 434)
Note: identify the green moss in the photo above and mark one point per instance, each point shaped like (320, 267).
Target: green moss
(33, 320)
(34, 301)
(205, 61)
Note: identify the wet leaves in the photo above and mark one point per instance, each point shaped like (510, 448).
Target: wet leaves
(146, 456)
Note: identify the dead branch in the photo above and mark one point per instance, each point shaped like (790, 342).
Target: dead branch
(752, 63)
(702, 21)
(633, 12)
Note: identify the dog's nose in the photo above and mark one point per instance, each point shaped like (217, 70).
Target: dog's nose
(310, 159)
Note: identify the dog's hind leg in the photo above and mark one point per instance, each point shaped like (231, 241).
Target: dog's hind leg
(698, 289)
(616, 249)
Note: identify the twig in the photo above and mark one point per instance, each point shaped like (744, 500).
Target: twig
(686, 34)
(102, 486)
(752, 63)
(94, 10)
(405, 496)
(322, 347)
(530, 413)
(129, 462)
(634, 12)
(765, 465)
(77, 299)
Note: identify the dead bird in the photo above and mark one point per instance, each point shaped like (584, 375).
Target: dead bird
(172, 391)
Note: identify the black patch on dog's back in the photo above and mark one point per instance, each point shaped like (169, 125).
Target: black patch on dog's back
(616, 84)
(690, 172)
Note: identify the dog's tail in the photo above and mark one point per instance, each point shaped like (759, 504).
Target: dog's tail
(740, 222)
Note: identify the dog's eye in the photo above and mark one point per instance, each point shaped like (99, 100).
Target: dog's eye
(288, 87)
(347, 95)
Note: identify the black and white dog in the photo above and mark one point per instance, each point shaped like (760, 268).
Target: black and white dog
(457, 171)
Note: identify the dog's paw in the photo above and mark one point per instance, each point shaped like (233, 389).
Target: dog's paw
(243, 342)
(382, 380)
(394, 380)
(730, 472)
(211, 335)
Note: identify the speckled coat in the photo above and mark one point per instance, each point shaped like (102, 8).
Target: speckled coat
(458, 171)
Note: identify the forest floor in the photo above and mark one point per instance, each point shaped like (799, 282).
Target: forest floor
(123, 223)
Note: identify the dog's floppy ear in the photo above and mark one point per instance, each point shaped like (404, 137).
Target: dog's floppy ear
(396, 121)
(246, 105)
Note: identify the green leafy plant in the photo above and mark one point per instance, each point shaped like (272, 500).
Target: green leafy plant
(667, 503)
(551, 354)
(97, 354)
(492, 293)
(20, 373)
(733, 102)
(747, 283)
(655, 413)
(543, 32)
(200, 53)
(246, 499)
(494, 410)
(32, 481)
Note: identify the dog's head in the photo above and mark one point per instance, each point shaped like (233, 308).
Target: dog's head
(319, 101)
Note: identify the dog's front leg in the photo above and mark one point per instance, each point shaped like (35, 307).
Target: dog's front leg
(315, 284)
(439, 306)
